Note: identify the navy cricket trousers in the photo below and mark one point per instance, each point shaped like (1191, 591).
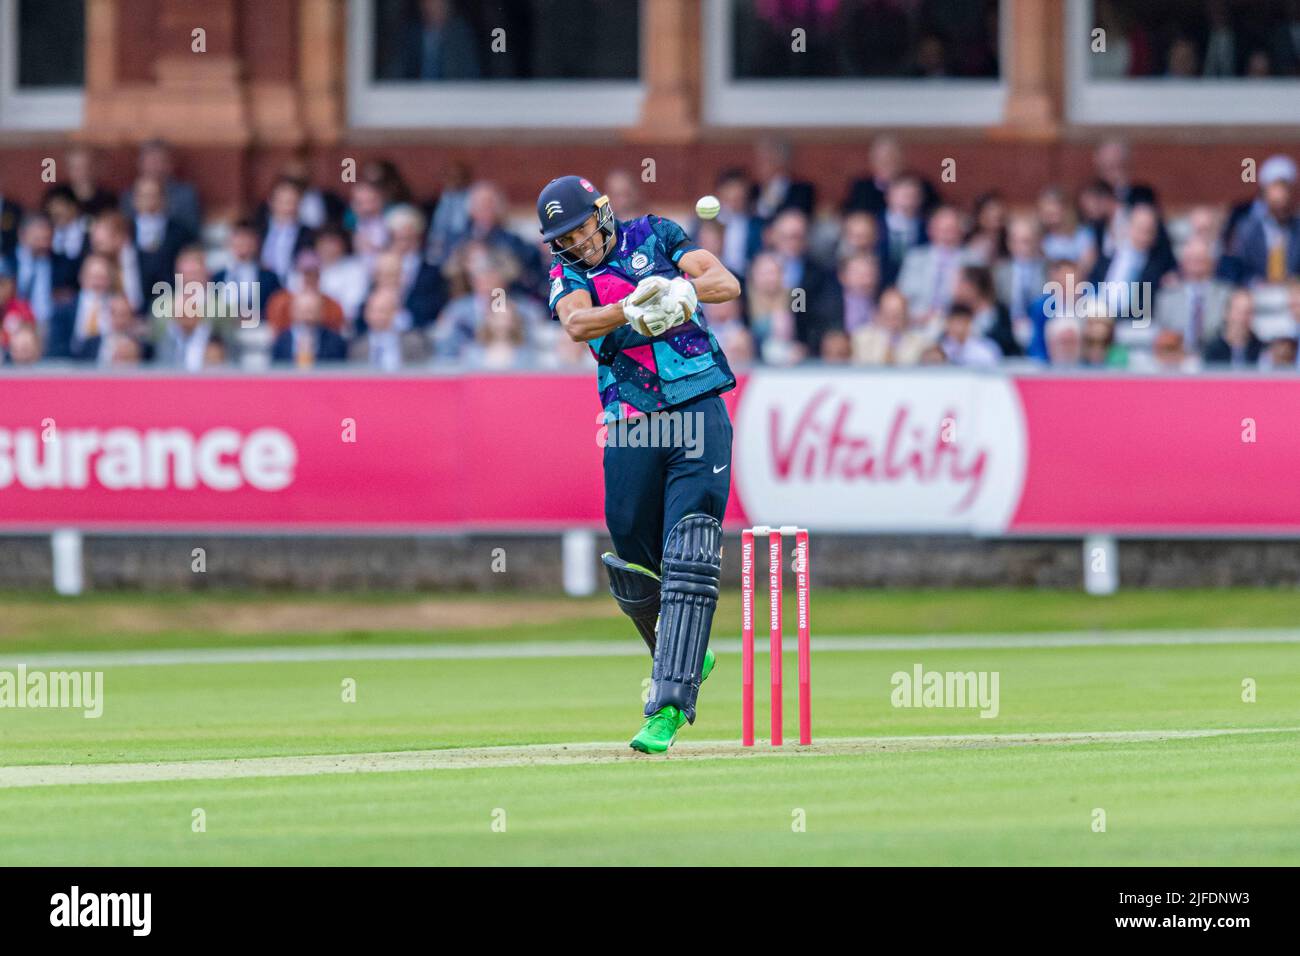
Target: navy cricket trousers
(650, 487)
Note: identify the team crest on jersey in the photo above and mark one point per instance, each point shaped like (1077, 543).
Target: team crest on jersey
(640, 261)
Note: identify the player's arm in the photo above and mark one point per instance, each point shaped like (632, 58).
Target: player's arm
(712, 280)
(584, 321)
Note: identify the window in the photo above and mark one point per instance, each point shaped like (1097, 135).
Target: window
(1174, 62)
(494, 62)
(42, 63)
(854, 62)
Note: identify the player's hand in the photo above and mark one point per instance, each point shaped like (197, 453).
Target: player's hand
(682, 298)
(647, 292)
(641, 308)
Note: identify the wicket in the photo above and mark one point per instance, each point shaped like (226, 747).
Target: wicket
(802, 587)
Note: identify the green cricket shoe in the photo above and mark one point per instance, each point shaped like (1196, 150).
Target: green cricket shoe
(707, 668)
(659, 731)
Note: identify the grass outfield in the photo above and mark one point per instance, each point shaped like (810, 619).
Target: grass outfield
(967, 799)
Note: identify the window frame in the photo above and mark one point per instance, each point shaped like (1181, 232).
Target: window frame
(494, 104)
(48, 108)
(846, 102)
(1164, 102)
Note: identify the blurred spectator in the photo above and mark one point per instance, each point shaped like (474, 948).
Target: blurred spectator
(70, 240)
(776, 190)
(1062, 277)
(82, 181)
(305, 278)
(75, 328)
(902, 226)
(181, 338)
(284, 236)
(1099, 348)
(781, 346)
(306, 342)
(343, 276)
(962, 345)
(1111, 161)
(1170, 355)
(859, 235)
(181, 199)
(158, 237)
(450, 215)
(929, 273)
(365, 220)
(35, 269)
(624, 192)
(1064, 336)
(709, 236)
(381, 346)
(421, 287)
(743, 232)
(934, 355)
(487, 224)
(1137, 259)
(501, 341)
(1280, 356)
(975, 290)
(110, 236)
(727, 323)
(1221, 41)
(1235, 343)
(460, 323)
(766, 297)
(1020, 279)
(1273, 168)
(986, 242)
(216, 354)
(24, 347)
(836, 348)
(14, 312)
(11, 214)
(1062, 239)
(859, 282)
(1100, 219)
(242, 265)
(440, 44)
(1183, 61)
(120, 343)
(867, 193)
(1196, 303)
(889, 340)
(787, 239)
(1269, 245)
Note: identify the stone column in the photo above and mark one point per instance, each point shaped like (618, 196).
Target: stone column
(670, 71)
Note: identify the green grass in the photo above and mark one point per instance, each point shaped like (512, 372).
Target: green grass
(34, 623)
(1220, 800)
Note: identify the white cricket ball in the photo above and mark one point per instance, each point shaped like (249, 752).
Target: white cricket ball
(707, 207)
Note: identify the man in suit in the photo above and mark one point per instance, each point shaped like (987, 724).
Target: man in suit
(71, 235)
(439, 45)
(1235, 343)
(284, 236)
(382, 347)
(1019, 280)
(787, 239)
(886, 160)
(110, 236)
(487, 224)
(306, 343)
(241, 263)
(76, 327)
(992, 319)
(422, 290)
(1196, 304)
(902, 226)
(181, 198)
(929, 273)
(1269, 242)
(742, 231)
(1137, 258)
(776, 189)
(36, 269)
(157, 237)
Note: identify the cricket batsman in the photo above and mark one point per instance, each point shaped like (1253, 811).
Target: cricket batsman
(632, 291)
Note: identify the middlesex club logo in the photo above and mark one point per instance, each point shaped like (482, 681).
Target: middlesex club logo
(587, 186)
(553, 209)
(640, 261)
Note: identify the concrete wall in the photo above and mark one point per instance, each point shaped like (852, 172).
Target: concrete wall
(533, 563)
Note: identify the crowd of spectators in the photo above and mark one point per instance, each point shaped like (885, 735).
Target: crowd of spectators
(1091, 274)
